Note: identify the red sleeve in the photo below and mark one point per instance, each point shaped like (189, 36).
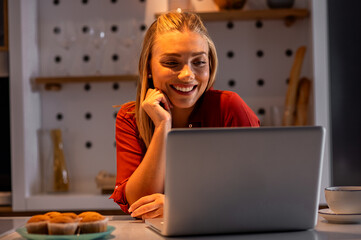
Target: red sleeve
(237, 112)
(130, 152)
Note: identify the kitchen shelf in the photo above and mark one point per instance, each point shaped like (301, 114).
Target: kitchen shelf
(289, 15)
(54, 83)
(70, 201)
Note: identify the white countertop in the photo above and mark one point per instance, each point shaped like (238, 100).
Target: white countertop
(128, 228)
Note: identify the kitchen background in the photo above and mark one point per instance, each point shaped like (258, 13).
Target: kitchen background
(110, 46)
(60, 38)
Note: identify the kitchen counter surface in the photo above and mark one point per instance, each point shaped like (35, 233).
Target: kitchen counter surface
(128, 228)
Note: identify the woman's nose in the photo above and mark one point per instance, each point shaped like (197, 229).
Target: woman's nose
(186, 73)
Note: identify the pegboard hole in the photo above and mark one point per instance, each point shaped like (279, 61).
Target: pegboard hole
(115, 86)
(59, 116)
(289, 53)
(260, 82)
(56, 2)
(87, 87)
(143, 27)
(88, 116)
(114, 28)
(230, 25)
(115, 115)
(287, 81)
(142, 1)
(230, 54)
(88, 144)
(113, 1)
(57, 59)
(231, 83)
(85, 29)
(115, 57)
(86, 58)
(57, 30)
(261, 111)
(259, 24)
(260, 53)
(84, 2)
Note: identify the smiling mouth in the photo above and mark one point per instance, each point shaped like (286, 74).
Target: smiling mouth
(184, 89)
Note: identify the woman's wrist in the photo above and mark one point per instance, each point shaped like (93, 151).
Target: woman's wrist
(165, 126)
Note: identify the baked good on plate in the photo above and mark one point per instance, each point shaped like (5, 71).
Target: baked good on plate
(83, 214)
(52, 214)
(62, 225)
(38, 224)
(71, 215)
(92, 222)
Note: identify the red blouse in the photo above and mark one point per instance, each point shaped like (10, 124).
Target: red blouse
(215, 109)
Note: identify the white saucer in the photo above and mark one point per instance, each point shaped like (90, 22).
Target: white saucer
(332, 217)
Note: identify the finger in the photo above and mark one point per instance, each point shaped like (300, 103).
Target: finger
(165, 100)
(146, 209)
(154, 96)
(154, 214)
(166, 103)
(141, 201)
(150, 93)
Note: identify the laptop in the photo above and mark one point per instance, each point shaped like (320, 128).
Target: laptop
(237, 180)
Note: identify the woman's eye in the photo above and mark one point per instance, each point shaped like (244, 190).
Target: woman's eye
(199, 63)
(170, 63)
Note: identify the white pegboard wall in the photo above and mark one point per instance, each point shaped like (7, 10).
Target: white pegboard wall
(84, 111)
(255, 59)
(86, 115)
(90, 37)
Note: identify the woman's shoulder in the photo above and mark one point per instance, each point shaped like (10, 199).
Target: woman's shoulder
(231, 106)
(127, 111)
(222, 95)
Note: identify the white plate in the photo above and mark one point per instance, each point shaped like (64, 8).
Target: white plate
(332, 217)
(89, 236)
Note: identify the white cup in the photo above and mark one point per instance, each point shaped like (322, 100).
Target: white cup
(344, 200)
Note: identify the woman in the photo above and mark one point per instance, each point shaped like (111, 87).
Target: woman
(177, 70)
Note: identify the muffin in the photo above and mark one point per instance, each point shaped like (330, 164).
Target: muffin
(71, 215)
(62, 225)
(83, 214)
(38, 224)
(93, 222)
(52, 214)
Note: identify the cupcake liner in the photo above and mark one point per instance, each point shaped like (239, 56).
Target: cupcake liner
(37, 227)
(62, 228)
(93, 227)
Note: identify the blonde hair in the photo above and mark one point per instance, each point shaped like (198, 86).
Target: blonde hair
(168, 22)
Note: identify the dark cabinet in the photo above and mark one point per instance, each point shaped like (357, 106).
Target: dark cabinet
(345, 90)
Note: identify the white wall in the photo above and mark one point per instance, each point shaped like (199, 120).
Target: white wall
(25, 104)
(321, 75)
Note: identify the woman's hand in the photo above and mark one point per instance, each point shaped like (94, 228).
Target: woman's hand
(150, 206)
(157, 105)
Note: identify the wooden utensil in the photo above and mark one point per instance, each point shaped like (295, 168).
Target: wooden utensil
(302, 102)
(291, 97)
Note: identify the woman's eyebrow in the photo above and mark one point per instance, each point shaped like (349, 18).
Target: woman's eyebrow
(170, 55)
(199, 53)
(179, 55)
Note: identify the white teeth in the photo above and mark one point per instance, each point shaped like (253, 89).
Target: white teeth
(184, 89)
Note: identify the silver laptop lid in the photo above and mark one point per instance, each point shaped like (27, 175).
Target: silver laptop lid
(229, 180)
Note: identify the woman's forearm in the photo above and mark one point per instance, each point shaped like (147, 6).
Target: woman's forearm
(148, 178)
